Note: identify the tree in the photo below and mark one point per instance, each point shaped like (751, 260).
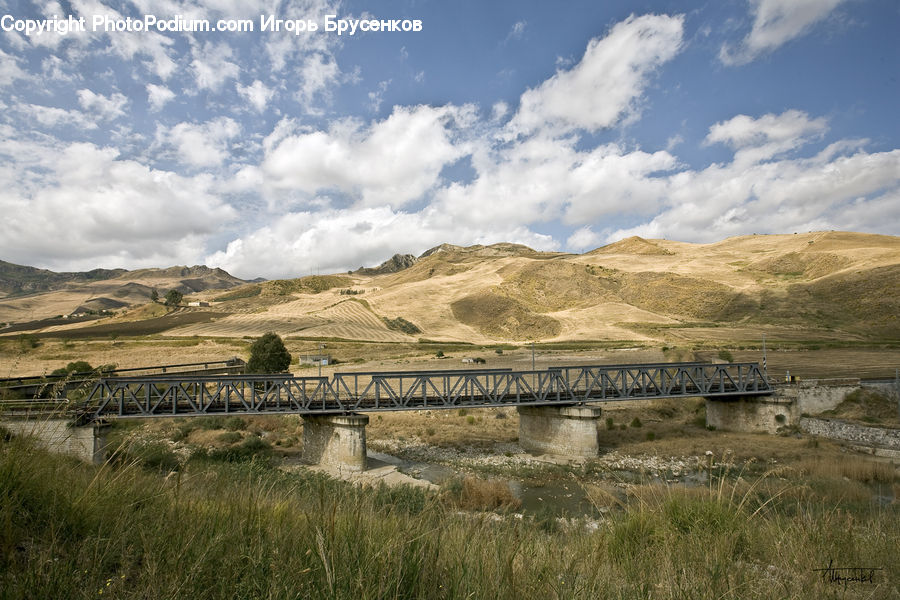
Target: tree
(173, 298)
(154, 296)
(268, 355)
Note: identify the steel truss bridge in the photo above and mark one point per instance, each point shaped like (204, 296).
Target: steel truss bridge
(167, 396)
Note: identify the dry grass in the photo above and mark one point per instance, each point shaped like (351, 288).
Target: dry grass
(482, 494)
(847, 466)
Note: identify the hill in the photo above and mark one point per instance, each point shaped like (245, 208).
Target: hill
(30, 294)
(820, 285)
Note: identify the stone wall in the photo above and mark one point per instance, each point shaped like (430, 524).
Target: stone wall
(815, 396)
(851, 432)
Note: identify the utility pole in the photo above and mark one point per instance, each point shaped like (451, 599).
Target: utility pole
(765, 370)
(532, 364)
(321, 347)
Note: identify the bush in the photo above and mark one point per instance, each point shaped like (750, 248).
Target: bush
(635, 422)
(174, 298)
(470, 420)
(610, 424)
(726, 356)
(268, 355)
(229, 437)
(402, 325)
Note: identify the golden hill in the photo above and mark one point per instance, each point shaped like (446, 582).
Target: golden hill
(821, 285)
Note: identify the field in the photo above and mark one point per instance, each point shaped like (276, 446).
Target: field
(213, 508)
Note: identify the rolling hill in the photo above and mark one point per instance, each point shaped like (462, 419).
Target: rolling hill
(820, 285)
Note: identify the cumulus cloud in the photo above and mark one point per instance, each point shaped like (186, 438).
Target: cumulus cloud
(605, 86)
(200, 144)
(394, 161)
(257, 94)
(212, 67)
(158, 96)
(339, 240)
(830, 190)
(583, 239)
(775, 23)
(91, 208)
(9, 68)
(104, 107)
(767, 136)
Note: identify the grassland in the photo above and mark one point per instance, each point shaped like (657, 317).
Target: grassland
(235, 526)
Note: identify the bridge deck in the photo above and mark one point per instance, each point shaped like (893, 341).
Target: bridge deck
(166, 396)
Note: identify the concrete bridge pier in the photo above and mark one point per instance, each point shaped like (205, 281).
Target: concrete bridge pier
(335, 441)
(754, 414)
(565, 430)
(62, 435)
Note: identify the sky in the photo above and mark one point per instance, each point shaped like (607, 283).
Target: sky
(140, 140)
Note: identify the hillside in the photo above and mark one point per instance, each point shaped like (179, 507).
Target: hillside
(821, 285)
(30, 294)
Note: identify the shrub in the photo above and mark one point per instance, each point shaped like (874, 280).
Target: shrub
(229, 437)
(174, 298)
(610, 424)
(651, 436)
(402, 325)
(726, 355)
(470, 420)
(635, 422)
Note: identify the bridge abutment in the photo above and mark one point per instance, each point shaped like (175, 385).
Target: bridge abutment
(335, 441)
(63, 435)
(566, 430)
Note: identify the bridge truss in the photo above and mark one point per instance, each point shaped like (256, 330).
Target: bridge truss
(166, 396)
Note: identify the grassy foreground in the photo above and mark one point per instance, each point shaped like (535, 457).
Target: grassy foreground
(248, 530)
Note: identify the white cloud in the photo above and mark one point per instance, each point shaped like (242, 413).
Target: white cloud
(257, 94)
(605, 86)
(376, 97)
(827, 191)
(152, 46)
(339, 240)
(583, 239)
(767, 136)
(200, 145)
(158, 96)
(394, 161)
(318, 73)
(88, 208)
(9, 67)
(51, 116)
(104, 107)
(775, 23)
(212, 67)
(517, 31)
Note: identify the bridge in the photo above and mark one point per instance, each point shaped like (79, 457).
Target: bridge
(558, 407)
(50, 385)
(169, 396)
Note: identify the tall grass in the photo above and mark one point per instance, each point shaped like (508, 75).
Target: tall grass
(247, 530)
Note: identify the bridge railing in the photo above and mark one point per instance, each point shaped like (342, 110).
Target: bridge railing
(417, 390)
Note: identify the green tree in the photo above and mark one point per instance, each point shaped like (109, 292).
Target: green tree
(268, 355)
(154, 296)
(173, 298)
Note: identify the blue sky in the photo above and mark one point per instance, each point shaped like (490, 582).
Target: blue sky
(563, 126)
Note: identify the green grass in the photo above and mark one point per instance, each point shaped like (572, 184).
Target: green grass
(247, 530)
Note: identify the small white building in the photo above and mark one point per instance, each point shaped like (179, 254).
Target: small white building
(198, 303)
